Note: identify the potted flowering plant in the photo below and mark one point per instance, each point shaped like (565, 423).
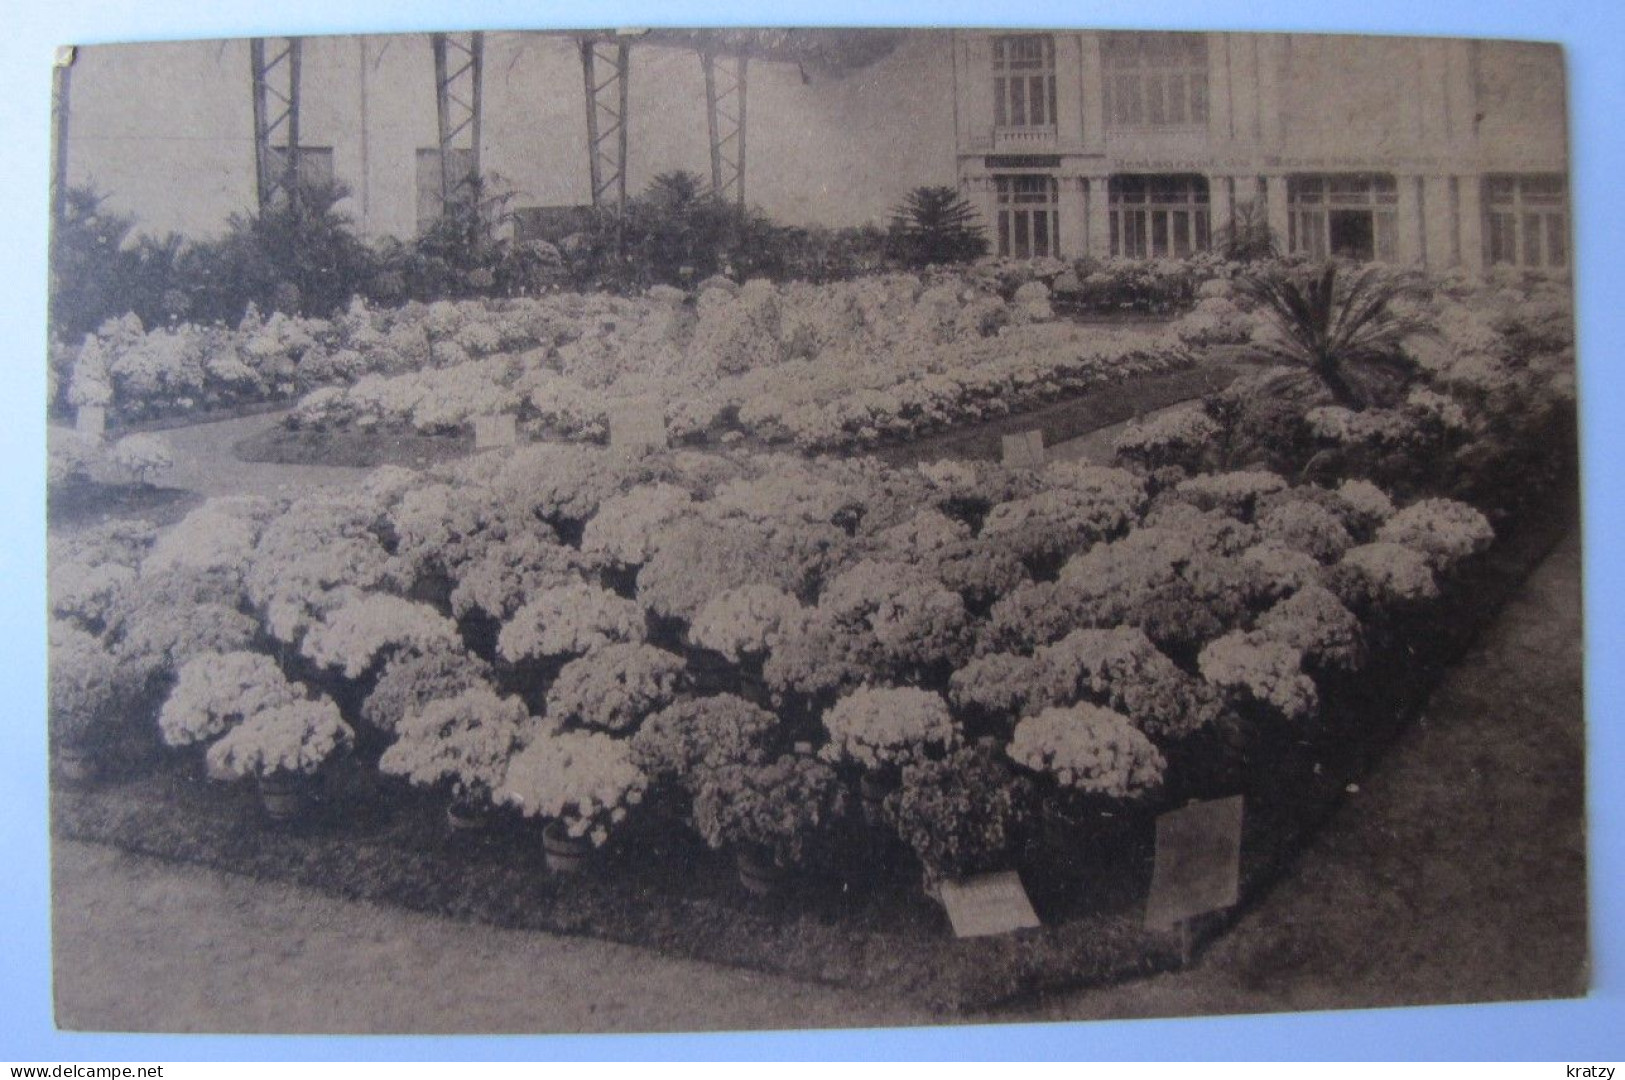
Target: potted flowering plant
(214, 692)
(463, 741)
(584, 781)
(883, 729)
(962, 815)
(283, 747)
(768, 814)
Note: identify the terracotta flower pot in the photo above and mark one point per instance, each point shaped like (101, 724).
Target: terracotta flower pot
(285, 796)
(566, 854)
(758, 873)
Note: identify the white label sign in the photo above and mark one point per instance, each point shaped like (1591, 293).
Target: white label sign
(988, 904)
(1198, 867)
(491, 432)
(1024, 451)
(637, 427)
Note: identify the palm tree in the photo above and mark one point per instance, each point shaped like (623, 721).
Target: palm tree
(1338, 326)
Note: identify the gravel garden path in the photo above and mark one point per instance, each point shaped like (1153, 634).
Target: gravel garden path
(1455, 873)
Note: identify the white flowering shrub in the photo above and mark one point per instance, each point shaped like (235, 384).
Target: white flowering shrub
(298, 738)
(503, 573)
(624, 528)
(888, 727)
(997, 684)
(215, 691)
(570, 620)
(84, 682)
(1305, 526)
(90, 385)
(353, 635)
(464, 740)
(1177, 437)
(1122, 669)
(613, 688)
(1385, 575)
(72, 457)
(585, 780)
(696, 558)
(1262, 669)
(1366, 507)
(1443, 530)
(1316, 623)
(745, 622)
(142, 458)
(1090, 750)
(1233, 493)
(685, 739)
(1285, 569)
(217, 537)
(164, 618)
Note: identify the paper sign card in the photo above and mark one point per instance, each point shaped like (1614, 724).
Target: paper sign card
(637, 427)
(988, 904)
(1024, 451)
(491, 432)
(90, 420)
(1198, 862)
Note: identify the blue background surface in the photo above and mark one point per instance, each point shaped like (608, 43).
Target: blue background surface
(1593, 1028)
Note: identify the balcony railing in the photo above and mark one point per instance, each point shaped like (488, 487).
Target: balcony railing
(1028, 140)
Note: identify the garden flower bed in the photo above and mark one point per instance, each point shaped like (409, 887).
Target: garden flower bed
(848, 365)
(859, 677)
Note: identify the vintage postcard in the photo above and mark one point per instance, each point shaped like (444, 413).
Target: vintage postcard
(711, 529)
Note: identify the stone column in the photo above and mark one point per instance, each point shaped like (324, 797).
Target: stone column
(1093, 81)
(1438, 223)
(1411, 249)
(1471, 223)
(1221, 199)
(1276, 209)
(1099, 239)
(1074, 209)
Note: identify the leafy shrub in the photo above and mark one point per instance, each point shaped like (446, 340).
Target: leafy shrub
(780, 807)
(962, 815)
(681, 742)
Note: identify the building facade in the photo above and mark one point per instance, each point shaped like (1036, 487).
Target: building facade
(1441, 153)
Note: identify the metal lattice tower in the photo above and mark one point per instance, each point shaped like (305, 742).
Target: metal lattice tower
(606, 117)
(275, 63)
(725, 122)
(459, 74)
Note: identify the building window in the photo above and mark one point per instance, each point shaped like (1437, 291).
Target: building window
(462, 161)
(1028, 216)
(1526, 221)
(1024, 81)
(1353, 216)
(1155, 80)
(1158, 217)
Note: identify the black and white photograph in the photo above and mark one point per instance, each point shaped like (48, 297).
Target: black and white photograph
(661, 530)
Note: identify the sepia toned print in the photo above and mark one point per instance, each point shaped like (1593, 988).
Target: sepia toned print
(683, 529)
